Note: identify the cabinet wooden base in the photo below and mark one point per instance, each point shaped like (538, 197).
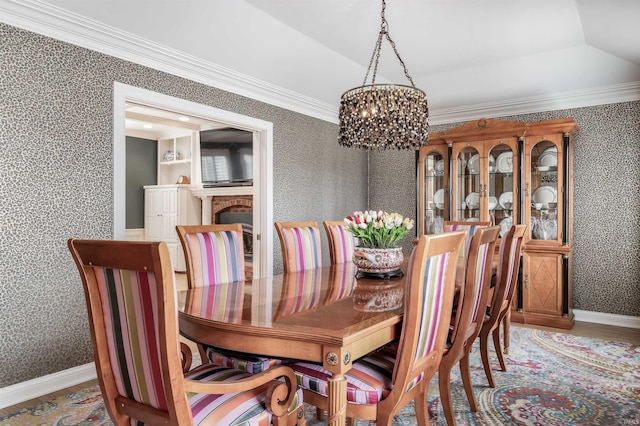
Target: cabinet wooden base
(563, 322)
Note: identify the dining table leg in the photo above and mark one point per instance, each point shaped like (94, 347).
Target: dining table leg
(337, 399)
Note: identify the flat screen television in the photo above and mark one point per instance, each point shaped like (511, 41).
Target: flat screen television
(226, 157)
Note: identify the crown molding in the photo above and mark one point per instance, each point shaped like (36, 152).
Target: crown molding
(616, 93)
(57, 23)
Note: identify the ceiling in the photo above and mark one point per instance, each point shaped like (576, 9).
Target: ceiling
(473, 57)
(155, 123)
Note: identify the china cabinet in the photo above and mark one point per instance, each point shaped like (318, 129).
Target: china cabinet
(509, 172)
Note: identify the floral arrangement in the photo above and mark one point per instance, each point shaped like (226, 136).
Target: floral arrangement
(378, 229)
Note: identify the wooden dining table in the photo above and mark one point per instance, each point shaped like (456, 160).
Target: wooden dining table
(322, 315)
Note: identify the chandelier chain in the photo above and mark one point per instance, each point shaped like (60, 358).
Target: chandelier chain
(375, 57)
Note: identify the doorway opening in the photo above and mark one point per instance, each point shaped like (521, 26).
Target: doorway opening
(261, 192)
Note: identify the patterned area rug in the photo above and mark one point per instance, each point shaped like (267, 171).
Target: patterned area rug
(553, 379)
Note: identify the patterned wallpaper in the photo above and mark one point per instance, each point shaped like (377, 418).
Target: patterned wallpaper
(606, 270)
(56, 132)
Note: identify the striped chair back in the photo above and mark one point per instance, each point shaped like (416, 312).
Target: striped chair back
(469, 228)
(509, 265)
(214, 254)
(428, 304)
(514, 259)
(474, 295)
(125, 283)
(300, 242)
(341, 241)
(480, 279)
(129, 306)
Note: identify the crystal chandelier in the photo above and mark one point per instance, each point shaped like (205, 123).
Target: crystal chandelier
(383, 116)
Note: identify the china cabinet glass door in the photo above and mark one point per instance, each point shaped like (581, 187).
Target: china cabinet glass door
(502, 194)
(545, 192)
(484, 184)
(434, 203)
(468, 184)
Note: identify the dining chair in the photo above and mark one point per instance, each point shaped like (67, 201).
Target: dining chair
(300, 242)
(130, 293)
(506, 279)
(381, 383)
(341, 241)
(214, 255)
(469, 228)
(471, 306)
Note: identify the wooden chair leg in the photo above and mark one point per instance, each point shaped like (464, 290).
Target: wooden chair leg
(203, 354)
(422, 413)
(484, 352)
(507, 330)
(444, 384)
(465, 372)
(186, 357)
(496, 344)
(319, 413)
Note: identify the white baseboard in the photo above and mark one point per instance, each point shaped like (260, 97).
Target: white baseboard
(35, 388)
(626, 321)
(44, 385)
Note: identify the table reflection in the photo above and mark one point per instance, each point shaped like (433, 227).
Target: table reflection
(222, 302)
(300, 292)
(378, 297)
(342, 280)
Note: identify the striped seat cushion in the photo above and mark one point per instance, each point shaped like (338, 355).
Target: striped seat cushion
(241, 361)
(243, 408)
(217, 257)
(368, 381)
(343, 244)
(303, 248)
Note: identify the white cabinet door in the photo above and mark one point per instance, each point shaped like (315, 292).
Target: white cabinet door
(165, 207)
(160, 214)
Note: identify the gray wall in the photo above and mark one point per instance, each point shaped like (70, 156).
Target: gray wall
(141, 169)
(56, 133)
(606, 270)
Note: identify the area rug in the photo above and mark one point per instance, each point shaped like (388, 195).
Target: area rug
(553, 379)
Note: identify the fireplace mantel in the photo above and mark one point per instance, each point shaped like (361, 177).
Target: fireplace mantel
(206, 194)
